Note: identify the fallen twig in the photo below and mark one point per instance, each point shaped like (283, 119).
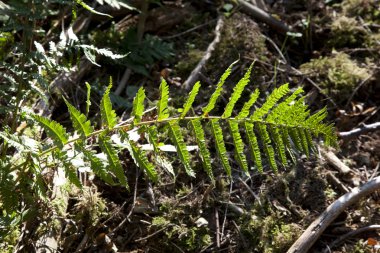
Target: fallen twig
(335, 161)
(350, 234)
(358, 131)
(195, 73)
(312, 233)
(264, 16)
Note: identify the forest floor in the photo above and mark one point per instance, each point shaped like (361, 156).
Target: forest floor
(332, 51)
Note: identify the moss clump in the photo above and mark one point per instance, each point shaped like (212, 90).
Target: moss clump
(346, 32)
(368, 10)
(187, 64)
(337, 75)
(270, 234)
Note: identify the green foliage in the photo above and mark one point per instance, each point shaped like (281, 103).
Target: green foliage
(266, 133)
(108, 115)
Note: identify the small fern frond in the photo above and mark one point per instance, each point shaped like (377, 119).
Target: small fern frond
(247, 105)
(142, 162)
(179, 143)
(153, 138)
(238, 90)
(113, 160)
(70, 170)
(162, 106)
(108, 115)
(190, 100)
(220, 146)
(79, 120)
(138, 105)
(253, 145)
(268, 149)
(217, 92)
(280, 146)
(239, 145)
(271, 101)
(96, 165)
(53, 129)
(203, 150)
(88, 100)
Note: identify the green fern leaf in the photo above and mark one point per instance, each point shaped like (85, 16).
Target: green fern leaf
(247, 105)
(190, 100)
(54, 130)
(218, 90)
(79, 120)
(304, 141)
(162, 106)
(268, 149)
(142, 161)
(279, 113)
(152, 133)
(220, 146)
(238, 90)
(294, 135)
(90, 9)
(70, 170)
(113, 160)
(280, 146)
(271, 101)
(97, 165)
(88, 100)
(138, 105)
(179, 143)
(204, 152)
(108, 115)
(238, 144)
(253, 145)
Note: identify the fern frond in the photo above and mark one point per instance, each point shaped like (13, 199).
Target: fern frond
(96, 164)
(247, 105)
(238, 90)
(203, 150)
(90, 9)
(54, 130)
(253, 145)
(113, 160)
(108, 115)
(142, 161)
(190, 100)
(138, 105)
(218, 90)
(162, 106)
(268, 149)
(153, 138)
(88, 100)
(280, 146)
(273, 98)
(238, 144)
(79, 120)
(220, 146)
(179, 143)
(70, 170)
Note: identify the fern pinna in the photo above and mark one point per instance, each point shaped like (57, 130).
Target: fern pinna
(272, 131)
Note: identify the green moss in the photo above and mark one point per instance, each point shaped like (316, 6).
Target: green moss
(188, 63)
(368, 10)
(270, 234)
(337, 75)
(346, 32)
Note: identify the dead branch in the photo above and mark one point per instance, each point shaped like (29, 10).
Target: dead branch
(263, 16)
(361, 130)
(314, 231)
(195, 73)
(350, 234)
(335, 161)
